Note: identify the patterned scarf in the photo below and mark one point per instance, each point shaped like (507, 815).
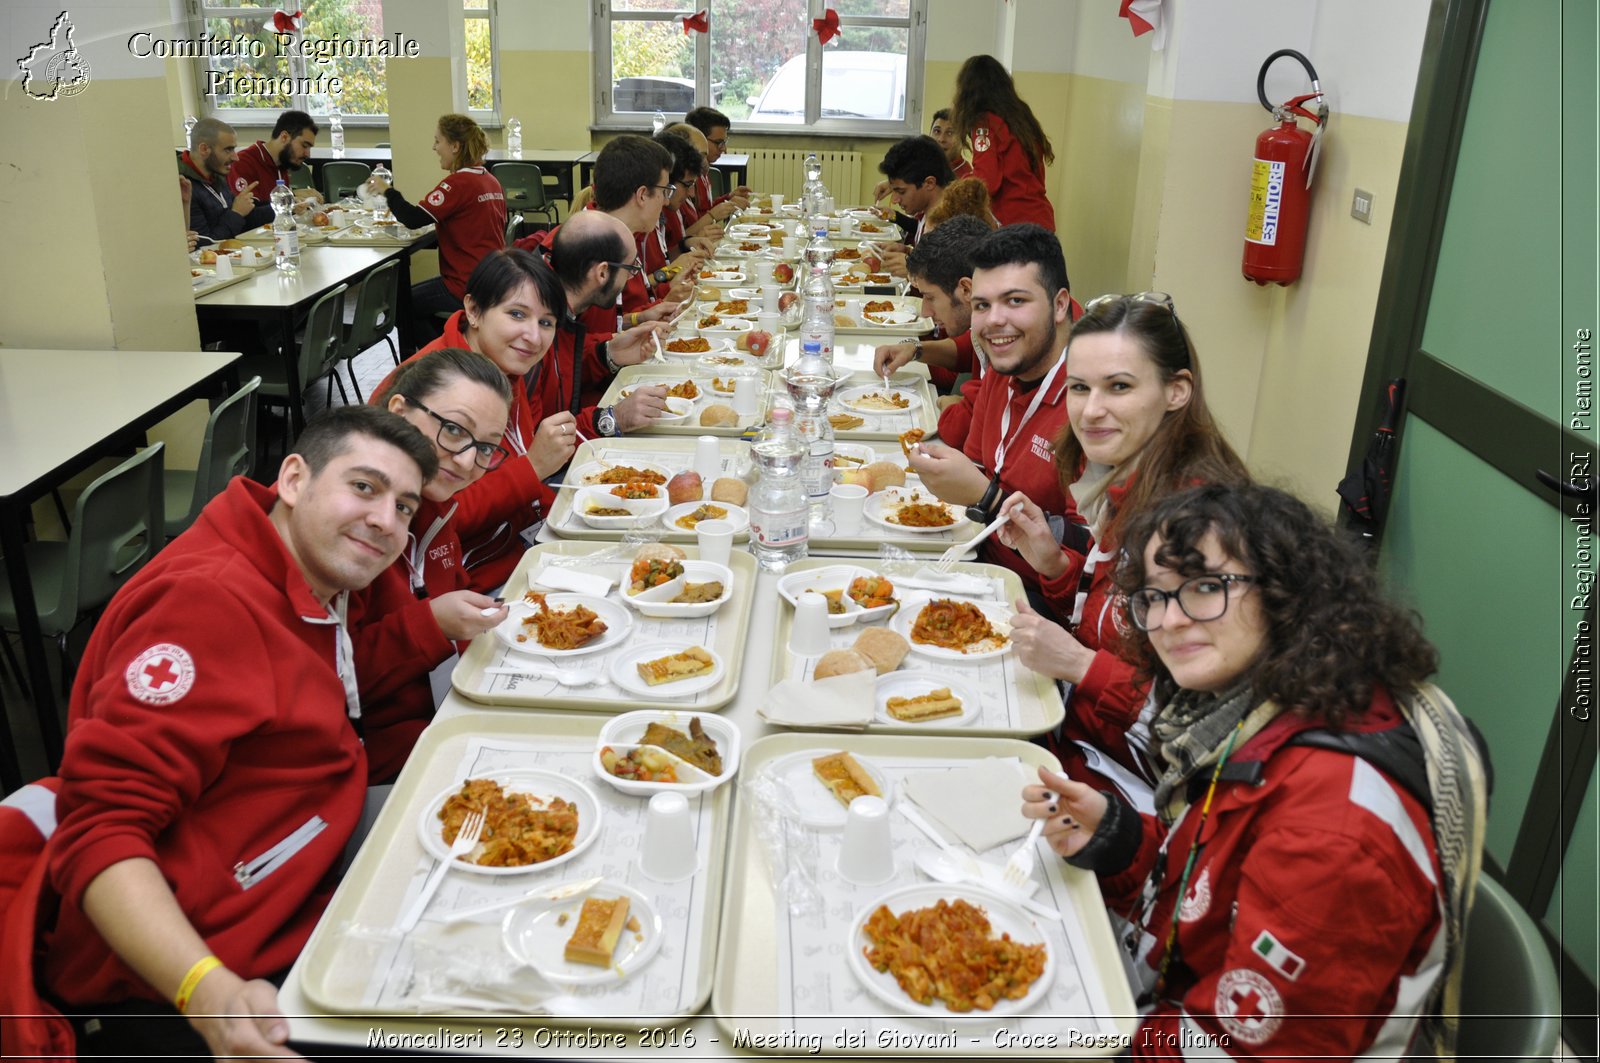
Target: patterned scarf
(1193, 728)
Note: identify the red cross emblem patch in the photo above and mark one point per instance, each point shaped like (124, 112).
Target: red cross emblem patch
(160, 675)
(436, 198)
(980, 138)
(1248, 1006)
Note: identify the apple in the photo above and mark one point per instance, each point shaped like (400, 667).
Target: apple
(783, 273)
(756, 342)
(786, 300)
(873, 263)
(685, 487)
(320, 218)
(208, 257)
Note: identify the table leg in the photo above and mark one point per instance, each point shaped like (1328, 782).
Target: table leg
(402, 309)
(291, 360)
(43, 692)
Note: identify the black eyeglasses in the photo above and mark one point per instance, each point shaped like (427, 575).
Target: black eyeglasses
(1155, 298)
(1201, 598)
(635, 268)
(719, 143)
(454, 439)
(666, 189)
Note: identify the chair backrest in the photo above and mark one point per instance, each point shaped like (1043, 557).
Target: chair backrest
(300, 178)
(118, 524)
(375, 309)
(342, 177)
(523, 183)
(1510, 998)
(719, 182)
(322, 346)
(225, 451)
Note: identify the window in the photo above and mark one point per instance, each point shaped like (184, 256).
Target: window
(761, 64)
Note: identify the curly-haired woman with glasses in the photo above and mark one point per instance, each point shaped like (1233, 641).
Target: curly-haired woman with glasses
(1303, 884)
(1139, 429)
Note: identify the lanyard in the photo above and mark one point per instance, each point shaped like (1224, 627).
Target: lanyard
(1005, 417)
(1086, 580)
(418, 561)
(514, 434)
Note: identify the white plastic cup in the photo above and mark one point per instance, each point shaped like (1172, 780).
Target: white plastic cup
(668, 853)
(224, 266)
(770, 294)
(791, 247)
(853, 307)
(808, 636)
(847, 225)
(707, 459)
(827, 204)
(866, 856)
(770, 321)
(746, 396)
(715, 538)
(847, 502)
(777, 201)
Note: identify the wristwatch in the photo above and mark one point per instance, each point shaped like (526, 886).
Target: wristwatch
(605, 421)
(916, 351)
(605, 356)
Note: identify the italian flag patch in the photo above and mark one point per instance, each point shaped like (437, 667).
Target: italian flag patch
(1277, 955)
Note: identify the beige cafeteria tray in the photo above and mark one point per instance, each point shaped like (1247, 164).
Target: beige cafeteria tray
(862, 327)
(746, 994)
(676, 371)
(1017, 702)
(883, 427)
(678, 454)
(337, 968)
(728, 627)
(262, 234)
(208, 281)
(355, 236)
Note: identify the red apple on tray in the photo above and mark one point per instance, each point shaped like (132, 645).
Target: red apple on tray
(786, 300)
(685, 487)
(873, 263)
(783, 273)
(756, 342)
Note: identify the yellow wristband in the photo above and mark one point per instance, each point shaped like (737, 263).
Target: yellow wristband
(633, 318)
(191, 981)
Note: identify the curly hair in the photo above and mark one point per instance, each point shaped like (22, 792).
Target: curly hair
(983, 86)
(968, 196)
(1331, 634)
(468, 137)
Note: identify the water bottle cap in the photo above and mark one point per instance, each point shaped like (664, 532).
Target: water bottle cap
(280, 180)
(780, 414)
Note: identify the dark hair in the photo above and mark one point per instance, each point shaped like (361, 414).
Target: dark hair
(420, 378)
(941, 113)
(706, 119)
(327, 435)
(1187, 447)
(1331, 634)
(501, 272)
(472, 143)
(1022, 245)
(206, 131)
(914, 160)
(983, 87)
(575, 250)
(686, 161)
(943, 257)
(292, 122)
(969, 196)
(625, 165)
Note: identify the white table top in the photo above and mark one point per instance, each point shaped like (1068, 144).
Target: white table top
(55, 405)
(321, 267)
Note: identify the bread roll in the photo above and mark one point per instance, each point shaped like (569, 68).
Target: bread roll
(841, 662)
(886, 474)
(729, 490)
(718, 415)
(884, 648)
(659, 552)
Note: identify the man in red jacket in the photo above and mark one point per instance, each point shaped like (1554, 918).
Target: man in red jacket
(213, 769)
(266, 162)
(714, 125)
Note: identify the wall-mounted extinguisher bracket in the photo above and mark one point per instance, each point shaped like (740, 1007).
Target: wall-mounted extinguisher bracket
(1280, 200)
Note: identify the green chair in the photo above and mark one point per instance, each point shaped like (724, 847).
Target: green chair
(719, 182)
(224, 454)
(342, 177)
(524, 186)
(116, 527)
(301, 178)
(1510, 998)
(321, 347)
(374, 318)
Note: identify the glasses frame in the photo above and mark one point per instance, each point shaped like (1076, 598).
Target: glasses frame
(495, 453)
(1227, 579)
(635, 268)
(1161, 299)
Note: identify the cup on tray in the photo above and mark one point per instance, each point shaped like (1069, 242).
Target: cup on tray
(777, 201)
(808, 636)
(707, 459)
(715, 538)
(224, 265)
(847, 501)
(847, 226)
(746, 396)
(770, 322)
(668, 853)
(770, 294)
(866, 857)
(791, 247)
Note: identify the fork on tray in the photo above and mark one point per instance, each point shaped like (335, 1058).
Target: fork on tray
(467, 838)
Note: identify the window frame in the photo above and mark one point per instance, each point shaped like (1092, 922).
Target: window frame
(915, 23)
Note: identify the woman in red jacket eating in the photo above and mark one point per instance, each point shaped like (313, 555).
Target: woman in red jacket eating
(1009, 147)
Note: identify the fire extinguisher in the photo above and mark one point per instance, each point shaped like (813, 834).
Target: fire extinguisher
(1280, 181)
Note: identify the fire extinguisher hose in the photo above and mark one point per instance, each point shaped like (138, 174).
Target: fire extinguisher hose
(1311, 72)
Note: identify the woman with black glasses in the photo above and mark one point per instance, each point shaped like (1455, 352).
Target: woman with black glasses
(1139, 429)
(1303, 884)
(461, 401)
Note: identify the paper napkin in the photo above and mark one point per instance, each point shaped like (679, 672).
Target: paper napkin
(839, 701)
(980, 803)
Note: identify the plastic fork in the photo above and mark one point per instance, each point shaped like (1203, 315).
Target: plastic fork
(1019, 869)
(948, 559)
(567, 677)
(466, 838)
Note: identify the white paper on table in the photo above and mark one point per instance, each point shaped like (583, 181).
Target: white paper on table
(563, 578)
(848, 700)
(980, 802)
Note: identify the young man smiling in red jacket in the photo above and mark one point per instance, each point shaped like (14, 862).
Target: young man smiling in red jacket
(213, 770)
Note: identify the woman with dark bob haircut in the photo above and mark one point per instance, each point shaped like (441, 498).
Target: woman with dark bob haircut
(1291, 897)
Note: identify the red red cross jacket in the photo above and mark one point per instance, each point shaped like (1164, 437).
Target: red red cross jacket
(469, 207)
(257, 163)
(1016, 186)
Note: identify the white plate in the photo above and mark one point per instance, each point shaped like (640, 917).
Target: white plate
(737, 515)
(727, 328)
(535, 934)
(643, 510)
(626, 675)
(887, 318)
(616, 618)
(752, 308)
(999, 618)
(813, 803)
(629, 728)
(721, 279)
(885, 502)
(834, 577)
(850, 399)
(729, 375)
(677, 409)
(914, 685)
(1004, 918)
(693, 572)
(586, 474)
(745, 360)
(535, 783)
(718, 346)
(854, 450)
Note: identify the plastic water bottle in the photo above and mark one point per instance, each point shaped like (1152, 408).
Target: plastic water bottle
(810, 382)
(779, 515)
(816, 321)
(189, 123)
(657, 124)
(285, 233)
(514, 138)
(370, 199)
(336, 131)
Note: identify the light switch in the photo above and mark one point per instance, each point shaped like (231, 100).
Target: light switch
(1361, 206)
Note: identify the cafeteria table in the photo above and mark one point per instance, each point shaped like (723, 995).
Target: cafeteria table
(60, 411)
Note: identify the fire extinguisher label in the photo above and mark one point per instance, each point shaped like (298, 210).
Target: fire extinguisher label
(1266, 202)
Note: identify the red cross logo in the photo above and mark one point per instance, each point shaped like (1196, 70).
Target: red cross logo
(161, 674)
(1248, 1006)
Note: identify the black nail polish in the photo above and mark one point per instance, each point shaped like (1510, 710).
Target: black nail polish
(1052, 808)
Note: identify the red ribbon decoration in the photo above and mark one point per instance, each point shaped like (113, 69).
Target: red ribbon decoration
(1135, 14)
(283, 22)
(700, 22)
(827, 26)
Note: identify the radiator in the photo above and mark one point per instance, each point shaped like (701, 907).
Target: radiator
(783, 171)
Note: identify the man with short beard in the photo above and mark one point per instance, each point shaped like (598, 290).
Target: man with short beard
(215, 210)
(266, 162)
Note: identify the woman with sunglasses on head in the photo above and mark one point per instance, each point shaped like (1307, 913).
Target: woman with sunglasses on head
(461, 401)
(1291, 894)
(1138, 429)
